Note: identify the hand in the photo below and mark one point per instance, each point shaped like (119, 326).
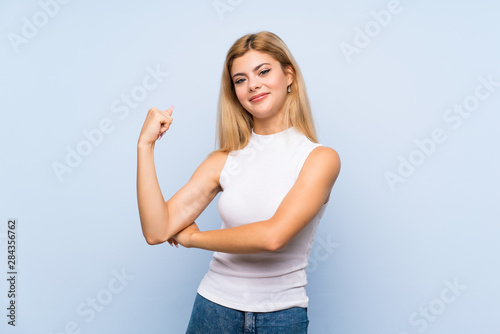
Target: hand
(156, 124)
(184, 236)
(173, 242)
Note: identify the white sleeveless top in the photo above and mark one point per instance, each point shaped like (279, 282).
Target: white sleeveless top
(254, 181)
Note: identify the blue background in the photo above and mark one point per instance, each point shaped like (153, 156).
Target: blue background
(384, 257)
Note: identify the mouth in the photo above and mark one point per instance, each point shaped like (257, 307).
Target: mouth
(258, 97)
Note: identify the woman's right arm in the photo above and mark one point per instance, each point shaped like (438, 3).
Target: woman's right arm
(161, 220)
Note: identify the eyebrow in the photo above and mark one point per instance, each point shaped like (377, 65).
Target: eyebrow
(255, 69)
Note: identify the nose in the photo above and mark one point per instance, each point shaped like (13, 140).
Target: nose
(253, 85)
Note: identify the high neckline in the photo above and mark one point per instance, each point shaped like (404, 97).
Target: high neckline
(283, 138)
(276, 134)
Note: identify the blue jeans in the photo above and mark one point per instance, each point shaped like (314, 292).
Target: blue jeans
(211, 318)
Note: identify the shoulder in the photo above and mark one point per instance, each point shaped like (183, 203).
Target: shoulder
(318, 152)
(215, 159)
(325, 153)
(324, 160)
(217, 155)
(213, 164)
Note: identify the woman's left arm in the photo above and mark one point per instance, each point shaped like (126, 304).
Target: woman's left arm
(301, 204)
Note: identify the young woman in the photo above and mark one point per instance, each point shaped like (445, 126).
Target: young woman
(275, 180)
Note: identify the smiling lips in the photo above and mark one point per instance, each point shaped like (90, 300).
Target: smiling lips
(258, 97)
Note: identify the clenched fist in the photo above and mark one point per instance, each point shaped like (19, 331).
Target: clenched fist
(156, 124)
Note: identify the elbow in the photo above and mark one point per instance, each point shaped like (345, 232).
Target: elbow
(154, 240)
(275, 243)
(273, 248)
(274, 238)
(155, 237)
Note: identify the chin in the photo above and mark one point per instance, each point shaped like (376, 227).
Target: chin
(259, 115)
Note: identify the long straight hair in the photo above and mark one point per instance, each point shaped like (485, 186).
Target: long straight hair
(234, 123)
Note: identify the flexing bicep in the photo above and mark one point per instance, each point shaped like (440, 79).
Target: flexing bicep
(308, 194)
(185, 206)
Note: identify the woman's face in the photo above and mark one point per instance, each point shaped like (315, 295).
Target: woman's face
(260, 84)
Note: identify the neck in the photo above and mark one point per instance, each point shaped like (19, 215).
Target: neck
(270, 125)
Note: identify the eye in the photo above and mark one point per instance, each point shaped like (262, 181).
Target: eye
(264, 72)
(237, 82)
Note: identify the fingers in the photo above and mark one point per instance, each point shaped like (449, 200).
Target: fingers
(162, 115)
(164, 118)
(166, 125)
(173, 242)
(167, 112)
(170, 110)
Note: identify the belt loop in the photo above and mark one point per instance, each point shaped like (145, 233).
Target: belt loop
(249, 323)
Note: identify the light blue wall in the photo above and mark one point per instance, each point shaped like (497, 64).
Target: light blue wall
(408, 243)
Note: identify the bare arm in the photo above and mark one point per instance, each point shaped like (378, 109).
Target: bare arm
(310, 191)
(152, 209)
(161, 220)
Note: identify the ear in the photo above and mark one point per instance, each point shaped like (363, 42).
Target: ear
(289, 73)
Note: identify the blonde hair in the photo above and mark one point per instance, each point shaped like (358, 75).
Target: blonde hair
(234, 123)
